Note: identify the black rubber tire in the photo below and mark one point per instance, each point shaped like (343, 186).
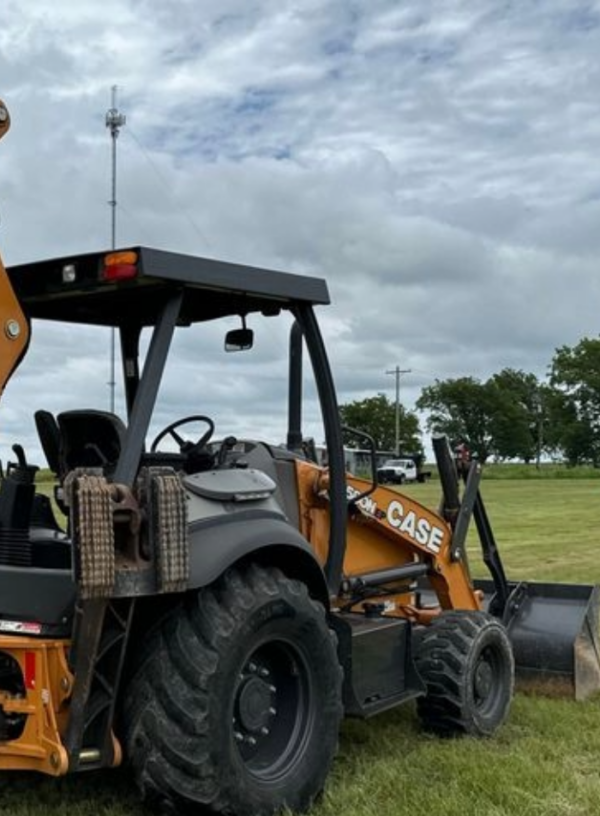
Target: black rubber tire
(249, 659)
(465, 660)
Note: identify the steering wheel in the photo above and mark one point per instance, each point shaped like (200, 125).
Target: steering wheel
(185, 447)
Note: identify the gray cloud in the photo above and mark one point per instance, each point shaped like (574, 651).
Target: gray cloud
(437, 165)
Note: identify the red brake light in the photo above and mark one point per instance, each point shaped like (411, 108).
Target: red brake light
(120, 266)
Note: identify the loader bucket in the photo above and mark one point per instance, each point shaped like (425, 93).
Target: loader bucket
(555, 633)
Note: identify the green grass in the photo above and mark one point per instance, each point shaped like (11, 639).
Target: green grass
(547, 530)
(544, 762)
(547, 470)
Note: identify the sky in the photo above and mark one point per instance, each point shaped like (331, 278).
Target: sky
(435, 162)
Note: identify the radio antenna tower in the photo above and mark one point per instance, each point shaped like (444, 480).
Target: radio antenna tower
(114, 122)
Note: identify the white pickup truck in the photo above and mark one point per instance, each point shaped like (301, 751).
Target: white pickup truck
(397, 471)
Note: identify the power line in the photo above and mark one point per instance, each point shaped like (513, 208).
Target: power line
(141, 228)
(160, 175)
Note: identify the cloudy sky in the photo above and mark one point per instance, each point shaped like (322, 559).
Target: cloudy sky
(436, 162)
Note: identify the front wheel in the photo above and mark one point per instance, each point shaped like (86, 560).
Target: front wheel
(236, 703)
(466, 662)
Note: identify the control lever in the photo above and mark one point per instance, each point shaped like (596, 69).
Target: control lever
(20, 454)
(21, 472)
(226, 445)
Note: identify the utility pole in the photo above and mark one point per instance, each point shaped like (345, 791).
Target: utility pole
(114, 122)
(398, 372)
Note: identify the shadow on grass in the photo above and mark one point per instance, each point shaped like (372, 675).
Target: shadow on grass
(101, 793)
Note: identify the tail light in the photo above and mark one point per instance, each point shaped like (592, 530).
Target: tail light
(120, 266)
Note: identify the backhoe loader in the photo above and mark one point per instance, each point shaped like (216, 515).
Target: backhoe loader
(212, 607)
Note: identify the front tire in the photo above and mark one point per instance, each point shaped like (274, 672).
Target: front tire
(466, 662)
(236, 703)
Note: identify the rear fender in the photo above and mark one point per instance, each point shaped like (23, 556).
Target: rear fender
(271, 541)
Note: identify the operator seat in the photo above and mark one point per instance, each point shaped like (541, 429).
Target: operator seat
(49, 434)
(89, 438)
(94, 439)
(74, 439)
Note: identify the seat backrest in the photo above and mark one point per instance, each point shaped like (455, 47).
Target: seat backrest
(90, 438)
(49, 434)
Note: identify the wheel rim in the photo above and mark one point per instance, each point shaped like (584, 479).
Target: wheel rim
(272, 709)
(11, 680)
(487, 687)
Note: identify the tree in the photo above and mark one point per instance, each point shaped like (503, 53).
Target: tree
(376, 416)
(462, 409)
(575, 372)
(517, 420)
(559, 425)
(510, 416)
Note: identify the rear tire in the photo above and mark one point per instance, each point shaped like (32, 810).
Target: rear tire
(466, 662)
(236, 702)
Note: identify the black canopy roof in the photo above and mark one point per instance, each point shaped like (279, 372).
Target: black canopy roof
(211, 289)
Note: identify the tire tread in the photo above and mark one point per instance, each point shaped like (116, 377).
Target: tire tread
(171, 751)
(442, 660)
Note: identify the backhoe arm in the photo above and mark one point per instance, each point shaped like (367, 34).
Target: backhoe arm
(14, 327)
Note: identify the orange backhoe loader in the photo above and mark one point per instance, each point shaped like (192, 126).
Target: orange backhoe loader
(211, 609)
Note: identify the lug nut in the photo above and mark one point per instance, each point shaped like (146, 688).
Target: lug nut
(272, 711)
(265, 731)
(264, 672)
(251, 741)
(238, 737)
(252, 667)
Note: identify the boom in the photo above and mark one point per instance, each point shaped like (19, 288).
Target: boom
(14, 325)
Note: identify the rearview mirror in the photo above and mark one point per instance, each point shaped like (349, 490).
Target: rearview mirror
(239, 340)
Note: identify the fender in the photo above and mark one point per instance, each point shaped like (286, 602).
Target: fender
(218, 543)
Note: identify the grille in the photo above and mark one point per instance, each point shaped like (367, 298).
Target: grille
(15, 548)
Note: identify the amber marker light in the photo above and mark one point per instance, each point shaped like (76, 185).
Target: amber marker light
(120, 266)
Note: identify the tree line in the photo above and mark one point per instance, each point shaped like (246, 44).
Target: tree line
(511, 415)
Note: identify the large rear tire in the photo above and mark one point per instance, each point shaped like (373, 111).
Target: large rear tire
(465, 660)
(236, 701)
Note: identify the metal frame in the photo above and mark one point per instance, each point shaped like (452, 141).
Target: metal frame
(196, 289)
(211, 289)
(146, 392)
(334, 441)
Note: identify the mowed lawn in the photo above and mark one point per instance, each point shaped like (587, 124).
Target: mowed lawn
(544, 762)
(546, 530)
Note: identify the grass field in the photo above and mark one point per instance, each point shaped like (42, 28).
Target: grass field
(544, 762)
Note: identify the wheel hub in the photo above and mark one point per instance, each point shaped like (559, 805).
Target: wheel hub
(483, 680)
(255, 710)
(255, 701)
